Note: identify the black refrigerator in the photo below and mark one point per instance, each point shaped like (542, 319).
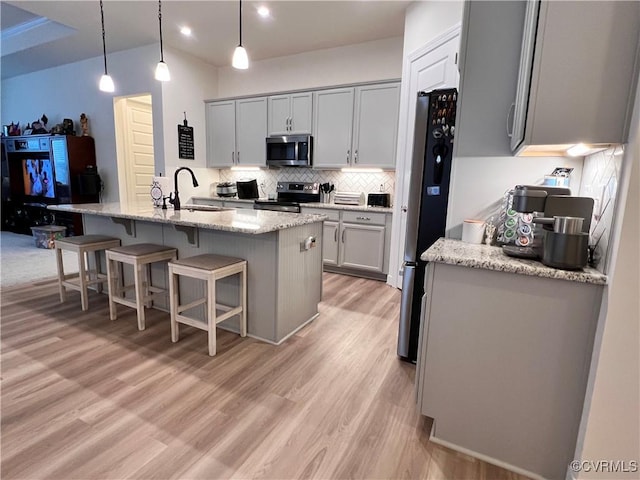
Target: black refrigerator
(427, 205)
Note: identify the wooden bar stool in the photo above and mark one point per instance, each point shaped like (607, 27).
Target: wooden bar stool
(82, 245)
(140, 256)
(210, 268)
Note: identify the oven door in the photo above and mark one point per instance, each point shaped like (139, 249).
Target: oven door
(289, 151)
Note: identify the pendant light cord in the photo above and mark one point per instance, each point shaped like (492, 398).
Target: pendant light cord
(160, 23)
(240, 16)
(104, 47)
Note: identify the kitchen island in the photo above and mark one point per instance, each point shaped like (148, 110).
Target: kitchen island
(284, 266)
(504, 354)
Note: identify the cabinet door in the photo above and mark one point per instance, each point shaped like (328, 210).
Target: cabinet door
(221, 138)
(362, 246)
(279, 110)
(332, 124)
(330, 242)
(376, 126)
(300, 122)
(251, 131)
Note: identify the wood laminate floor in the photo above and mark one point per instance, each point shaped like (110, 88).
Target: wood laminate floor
(87, 398)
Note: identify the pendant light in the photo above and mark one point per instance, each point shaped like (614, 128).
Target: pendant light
(240, 58)
(106, 82)
(162, 71)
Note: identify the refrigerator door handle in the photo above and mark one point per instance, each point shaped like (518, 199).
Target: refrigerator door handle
(408, 279)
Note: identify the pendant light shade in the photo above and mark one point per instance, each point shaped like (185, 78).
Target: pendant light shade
(106, 82)
(162, 70)
(240, 57)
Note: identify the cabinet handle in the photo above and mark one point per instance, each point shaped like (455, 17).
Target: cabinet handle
(290, 123)
(335, 235)
(348, 153)
(363, 218)
(510, 119)
(355, 157)
(238, 158)
(343, 232)
(233, 157)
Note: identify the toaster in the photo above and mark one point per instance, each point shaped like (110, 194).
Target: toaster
(379, 200)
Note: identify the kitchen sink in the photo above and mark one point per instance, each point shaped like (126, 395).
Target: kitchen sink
(205, 208)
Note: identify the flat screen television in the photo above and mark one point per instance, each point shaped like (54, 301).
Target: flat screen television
(38, 178)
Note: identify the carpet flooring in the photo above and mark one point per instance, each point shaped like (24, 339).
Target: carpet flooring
(22, 262)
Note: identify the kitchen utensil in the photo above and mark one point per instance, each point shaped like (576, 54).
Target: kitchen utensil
(226, 189)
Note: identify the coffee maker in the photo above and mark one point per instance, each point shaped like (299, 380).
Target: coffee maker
(565, 221)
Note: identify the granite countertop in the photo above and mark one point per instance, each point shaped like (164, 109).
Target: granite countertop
(234, 220)
(456, 252)
(330, 206)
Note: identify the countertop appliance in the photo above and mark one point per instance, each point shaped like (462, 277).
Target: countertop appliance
(247, 189)
(427, 208)
(379, 200)
(290, 196)
(565, 220)
(289, 151)
(226, 189)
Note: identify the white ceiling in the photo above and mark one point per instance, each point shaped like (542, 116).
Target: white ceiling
(43, 34)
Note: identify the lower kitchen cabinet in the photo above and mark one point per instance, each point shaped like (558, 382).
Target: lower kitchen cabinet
(355, 242)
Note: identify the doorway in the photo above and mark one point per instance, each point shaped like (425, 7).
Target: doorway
(134, 147)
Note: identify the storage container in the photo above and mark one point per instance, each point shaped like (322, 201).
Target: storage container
(46, 235)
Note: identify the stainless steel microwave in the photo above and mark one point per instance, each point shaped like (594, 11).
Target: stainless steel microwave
(290, 151)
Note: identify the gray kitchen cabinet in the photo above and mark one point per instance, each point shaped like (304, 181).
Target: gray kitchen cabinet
(290, 114)
(577, 74)
(330, 242)
(356, 126)
(489, 54)
(362, 246)
(503, 364)
(236, 132)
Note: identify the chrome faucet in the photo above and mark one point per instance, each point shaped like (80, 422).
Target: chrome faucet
(175, 198)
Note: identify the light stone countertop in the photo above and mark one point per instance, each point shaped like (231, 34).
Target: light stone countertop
(329, 206)
(456, 252)
(235, 220)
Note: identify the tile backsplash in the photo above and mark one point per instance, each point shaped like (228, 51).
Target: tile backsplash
(600, 177)
(343, 181)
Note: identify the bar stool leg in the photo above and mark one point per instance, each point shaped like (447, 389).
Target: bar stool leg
(173, 302)
(211, 317)
(96, 260)
(147, 282)
(82, 272)
(113, 287)
(138, 275)
(60, 263)
(243, 315)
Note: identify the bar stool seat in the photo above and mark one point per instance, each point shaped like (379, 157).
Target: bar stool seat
(210, 268)
(82, 245)
(140, 256)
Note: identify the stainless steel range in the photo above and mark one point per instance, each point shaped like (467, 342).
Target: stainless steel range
(290, 196)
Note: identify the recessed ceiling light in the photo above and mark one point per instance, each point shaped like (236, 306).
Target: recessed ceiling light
(186, 31)
(263, 11)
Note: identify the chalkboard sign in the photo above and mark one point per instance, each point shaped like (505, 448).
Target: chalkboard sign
(185, 142)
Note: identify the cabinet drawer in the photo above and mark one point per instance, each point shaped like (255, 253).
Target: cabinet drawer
(333, 215)
(369, 218)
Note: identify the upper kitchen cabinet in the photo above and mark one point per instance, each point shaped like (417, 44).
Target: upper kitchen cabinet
(489, 55)
(236, 132)
(356, 127)
(290, 114)
(577, 75)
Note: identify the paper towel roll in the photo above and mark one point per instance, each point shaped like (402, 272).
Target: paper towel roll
(472, 231)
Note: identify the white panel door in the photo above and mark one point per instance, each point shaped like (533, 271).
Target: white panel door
(362, 246)
(376, 126)
(221, 136)
(333, 123)
(140, 160)
(430, 68)
(330, 242)
(251, 132)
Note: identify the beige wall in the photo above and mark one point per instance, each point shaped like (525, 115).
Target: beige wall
(425, 20)
(362, 62)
